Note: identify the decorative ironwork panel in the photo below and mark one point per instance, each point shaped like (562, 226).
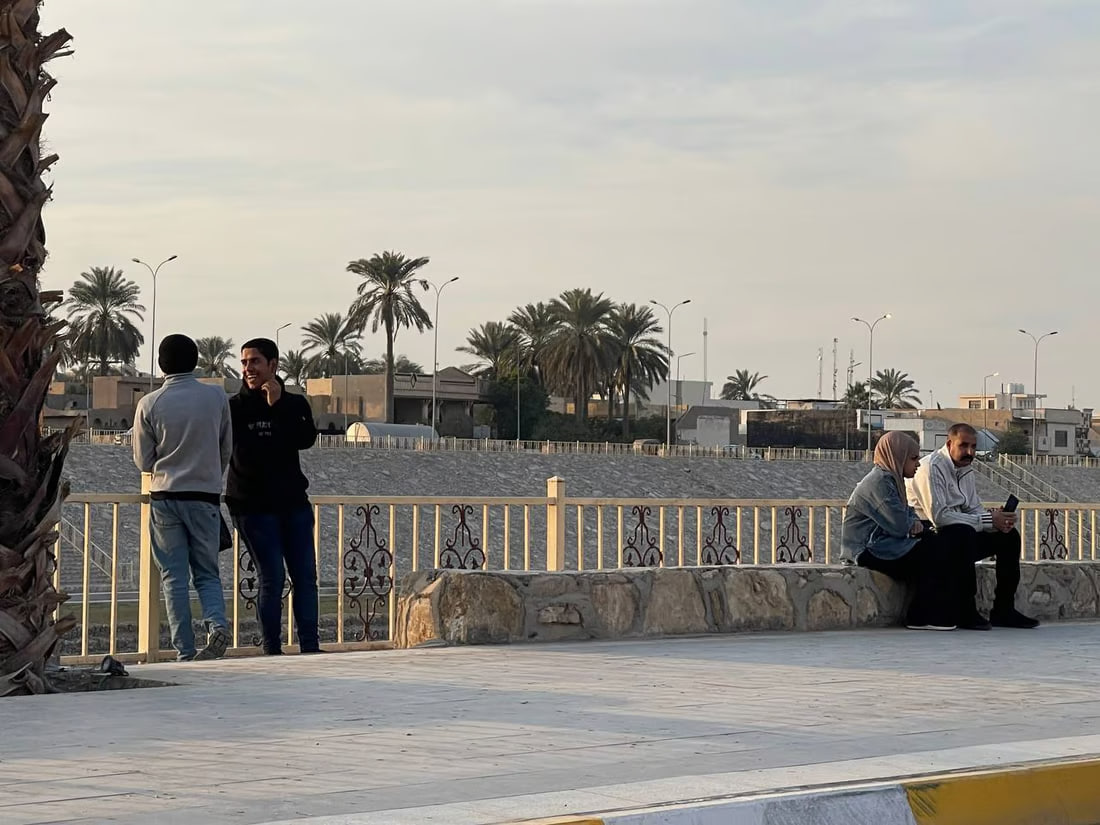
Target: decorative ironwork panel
(718, 547)
(1052, 544)
(640, 549)
(791, 546)
(367, 578)
(462, 551)
(248, 584)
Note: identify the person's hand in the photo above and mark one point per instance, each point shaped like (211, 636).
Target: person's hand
(1003, 521)
(916, 529)
(272, 391)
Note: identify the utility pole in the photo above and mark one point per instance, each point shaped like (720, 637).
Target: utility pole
(820, 366)
(834, 369)
(704, 356)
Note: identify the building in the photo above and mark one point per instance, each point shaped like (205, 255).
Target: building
(709, 426)
(362, 398)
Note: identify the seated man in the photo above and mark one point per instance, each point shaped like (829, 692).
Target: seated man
(944, 493)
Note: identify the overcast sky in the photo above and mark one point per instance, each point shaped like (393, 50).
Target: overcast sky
(785, 164)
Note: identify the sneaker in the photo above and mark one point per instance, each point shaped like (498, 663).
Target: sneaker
(1012, 618)
(976, 621)
(216, 643)
(930, 626)
(312, 651)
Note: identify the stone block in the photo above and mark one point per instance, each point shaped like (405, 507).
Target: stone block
(757, 599)
(675, 604)
(480, 608)
(560, 614)
(616, 607)
(828, 611)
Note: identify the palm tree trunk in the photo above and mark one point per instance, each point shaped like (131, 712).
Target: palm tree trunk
(389, 370)
(30, 463)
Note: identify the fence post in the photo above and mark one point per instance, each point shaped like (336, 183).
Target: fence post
(555, 523)
(148, 584)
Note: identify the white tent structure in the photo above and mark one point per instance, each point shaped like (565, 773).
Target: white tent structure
(390, 435)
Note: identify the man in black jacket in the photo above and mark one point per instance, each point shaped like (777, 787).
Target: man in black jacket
(266, 493)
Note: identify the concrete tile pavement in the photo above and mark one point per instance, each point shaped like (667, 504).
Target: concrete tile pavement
(478, 735)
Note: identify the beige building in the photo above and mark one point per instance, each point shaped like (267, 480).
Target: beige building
(362, 398)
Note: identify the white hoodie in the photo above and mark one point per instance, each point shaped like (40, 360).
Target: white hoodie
(945, 494)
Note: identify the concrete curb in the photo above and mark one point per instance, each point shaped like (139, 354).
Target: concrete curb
(1064, 793)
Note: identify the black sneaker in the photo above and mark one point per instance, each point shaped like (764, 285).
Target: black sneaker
(975, 621)
(312, 651)
(216, 643)
(1012, 618)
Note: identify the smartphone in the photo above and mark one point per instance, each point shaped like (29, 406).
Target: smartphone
(1010, 505)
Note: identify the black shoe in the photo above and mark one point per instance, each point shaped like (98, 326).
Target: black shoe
(312, 651)
(274, 652)
(1012, 618)
(216, 644)
(975, 621)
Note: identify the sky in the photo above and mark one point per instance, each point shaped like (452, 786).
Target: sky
(785, 164)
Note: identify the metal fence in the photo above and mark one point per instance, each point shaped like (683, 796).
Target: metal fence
(365, 544)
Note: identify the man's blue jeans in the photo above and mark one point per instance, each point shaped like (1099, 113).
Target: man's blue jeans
(185, 547)
(275, 539)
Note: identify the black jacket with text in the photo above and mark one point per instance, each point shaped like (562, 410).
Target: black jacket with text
(265, 475)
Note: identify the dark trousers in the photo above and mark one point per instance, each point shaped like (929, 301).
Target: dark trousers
(927, 570)
(275, 540)
(966, 546)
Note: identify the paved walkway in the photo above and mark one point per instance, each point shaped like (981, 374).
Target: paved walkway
(479, 735)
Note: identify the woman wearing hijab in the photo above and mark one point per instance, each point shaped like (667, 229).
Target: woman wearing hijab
(882, 532)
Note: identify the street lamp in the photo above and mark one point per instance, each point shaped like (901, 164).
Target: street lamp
(435, 326)
(985, 403)
(1035, 390)
(680, 389)
(668, 408)
(153, 331)
(870, 365)
(280, 329)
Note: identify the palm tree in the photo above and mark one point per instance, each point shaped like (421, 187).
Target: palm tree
(741, 386)
(638, 358)
(214, 352)
(537, 324)
(577, 356)
(402, 365)
(498, 348)
(855, 397)
(100, 308)
(332, 342)
(895, 390)
(32, 464)
(295, 367)
(386, 300)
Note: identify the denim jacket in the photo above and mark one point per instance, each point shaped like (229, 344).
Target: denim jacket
(877, 519)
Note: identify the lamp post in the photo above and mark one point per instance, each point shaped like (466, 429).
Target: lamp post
(1035, 390)
(435, 347)
(668, 408)
(985, 403)
(347, 398)
(280, 329)
(870, 365)
(680, 389)
(153, 331)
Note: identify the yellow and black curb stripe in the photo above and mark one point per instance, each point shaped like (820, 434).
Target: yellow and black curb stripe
(1066, 793)
(1063, 793)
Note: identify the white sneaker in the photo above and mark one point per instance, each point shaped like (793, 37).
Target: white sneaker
(931, 627)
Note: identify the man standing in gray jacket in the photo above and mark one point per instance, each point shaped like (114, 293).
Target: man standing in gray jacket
(182, 435)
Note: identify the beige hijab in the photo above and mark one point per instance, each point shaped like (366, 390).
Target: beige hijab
(891, 453)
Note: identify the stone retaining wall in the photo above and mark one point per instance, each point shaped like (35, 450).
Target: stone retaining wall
(474, 607)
